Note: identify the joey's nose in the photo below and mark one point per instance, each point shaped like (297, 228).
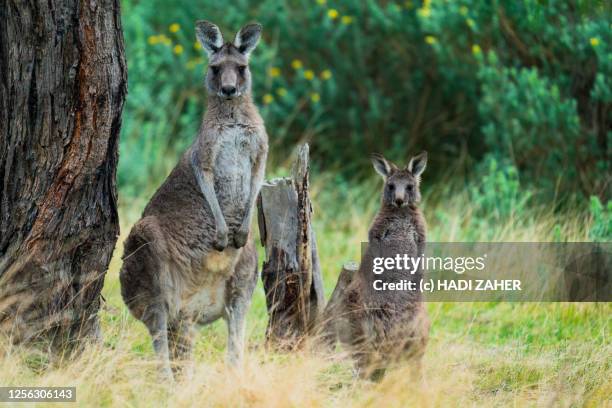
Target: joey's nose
(228, 90)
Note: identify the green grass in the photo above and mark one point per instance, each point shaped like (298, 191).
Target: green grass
(480, 354)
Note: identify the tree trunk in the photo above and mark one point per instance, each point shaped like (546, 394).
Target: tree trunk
(63, 84)
(291, 272)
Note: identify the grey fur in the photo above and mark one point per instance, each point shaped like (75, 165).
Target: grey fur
(209, 36)
(191, 258)
(388, 326)
(246, 39)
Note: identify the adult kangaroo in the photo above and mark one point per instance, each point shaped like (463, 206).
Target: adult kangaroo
(191, 259)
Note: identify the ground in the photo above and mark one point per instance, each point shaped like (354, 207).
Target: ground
(480, 354)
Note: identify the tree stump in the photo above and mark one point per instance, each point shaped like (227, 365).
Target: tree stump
(333, 322)
(291, 272)
(61, 95)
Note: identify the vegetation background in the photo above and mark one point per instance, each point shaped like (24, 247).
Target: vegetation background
(513, 101)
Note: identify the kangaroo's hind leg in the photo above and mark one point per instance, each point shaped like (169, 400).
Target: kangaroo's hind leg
(141, 285)
(180, 343)
(240, 292)
(156, 320)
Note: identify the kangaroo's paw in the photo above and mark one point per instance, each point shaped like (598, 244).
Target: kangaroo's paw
(240, 237)
(220, 241)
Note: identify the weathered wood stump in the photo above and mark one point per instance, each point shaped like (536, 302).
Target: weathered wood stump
(291, 272)
(333, 321)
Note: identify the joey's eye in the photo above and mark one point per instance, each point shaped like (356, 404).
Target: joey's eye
(242, 69)
(215, 69)
(391, 187)
(409, 187)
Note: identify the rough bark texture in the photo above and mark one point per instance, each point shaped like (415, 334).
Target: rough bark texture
(62, 88)
(291, 273)
(333, 322)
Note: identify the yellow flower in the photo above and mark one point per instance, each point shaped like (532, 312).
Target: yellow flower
(268, 99)
(594, 41)
(424, 12)
(309, 74)
(430, 39)
(346, 20)
(197, 45)
(153, 39)
(174, 27)
(476, 49)
(332, 13)
(326, 74)
(315, 97)
(164, 40)
(471, 23)
(281, 92)
(321, 2)
(426, 4)
(274, 72)
(178, 49)
(296, 64)
(463, 10)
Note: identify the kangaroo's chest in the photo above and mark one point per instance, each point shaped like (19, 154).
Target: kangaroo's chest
(237, 151)
(397, 233)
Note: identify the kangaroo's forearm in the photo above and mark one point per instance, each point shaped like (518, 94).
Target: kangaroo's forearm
(255, 185)
(205, 180)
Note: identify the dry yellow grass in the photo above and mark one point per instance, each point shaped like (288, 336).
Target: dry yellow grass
(459, 371)
(480, 354)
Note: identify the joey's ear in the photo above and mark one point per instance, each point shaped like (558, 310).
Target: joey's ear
(209, 36)
(381, 165)
(247, 38)
(417, 164)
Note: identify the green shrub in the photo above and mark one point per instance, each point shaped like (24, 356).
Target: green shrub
(354, 77)
(601, 227)
(525, 119)
(497, 196)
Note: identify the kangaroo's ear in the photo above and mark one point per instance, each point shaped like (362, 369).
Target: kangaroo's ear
(209, 36)
(247, 38)
(381, 165)
(417, 164)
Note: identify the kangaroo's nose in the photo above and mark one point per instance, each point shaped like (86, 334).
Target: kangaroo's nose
(399, 202)
(228, 90)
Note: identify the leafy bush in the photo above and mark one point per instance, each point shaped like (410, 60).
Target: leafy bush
(601, 227)
(497, 197)
(524, 82)
(498, 194)
(525, 119)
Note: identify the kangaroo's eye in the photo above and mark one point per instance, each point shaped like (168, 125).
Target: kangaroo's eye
(391, 187)
(409, 187)
(242, 69)
(215, 69)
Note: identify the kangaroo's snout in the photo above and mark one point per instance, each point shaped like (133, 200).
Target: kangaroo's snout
(229, 82)
(399, 201)
(228, 90)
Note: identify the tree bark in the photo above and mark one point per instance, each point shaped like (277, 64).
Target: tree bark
(291, 272)
(333, 322)
(62, 88)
